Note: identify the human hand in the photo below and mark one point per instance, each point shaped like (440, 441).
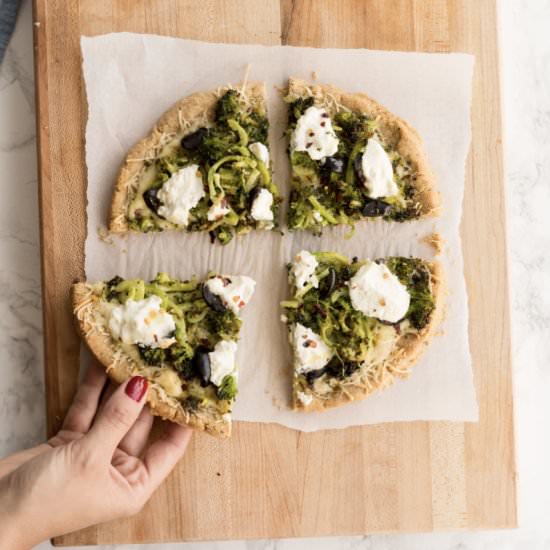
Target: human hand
(91, 471)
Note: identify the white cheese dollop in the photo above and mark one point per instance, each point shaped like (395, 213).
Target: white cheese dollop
(378, 172)
(218, 210)
(222, 361)
(180, 194)
(261, 206)
(310, 352)
(303, 270)
(143, 322)
(314, 134)
(305, 398)
(260, 151)
(235, 291)
(377, 292)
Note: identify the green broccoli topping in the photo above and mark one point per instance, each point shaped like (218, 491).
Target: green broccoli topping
(231, 172)
(331, 191)
(228, 388)
(327, 310)
(416, 276)
(198, 327)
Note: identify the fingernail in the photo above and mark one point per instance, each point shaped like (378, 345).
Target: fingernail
(136, 388)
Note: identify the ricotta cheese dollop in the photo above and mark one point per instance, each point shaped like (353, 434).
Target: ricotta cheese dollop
(235, 291)
(310, 351)
(314, 134)
(377, 292)
(180, 194)
(222, 361)
(378, 171)
(261, 206)
(303, 270)
(143, 322)
(260, 151)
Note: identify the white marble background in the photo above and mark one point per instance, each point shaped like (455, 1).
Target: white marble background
(525, 41)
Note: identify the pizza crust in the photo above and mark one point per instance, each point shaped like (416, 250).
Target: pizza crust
(396, 131)
(397, 365)
(121, 366)
(186, 116)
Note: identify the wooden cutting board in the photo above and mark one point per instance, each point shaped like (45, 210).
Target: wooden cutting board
(269, 481)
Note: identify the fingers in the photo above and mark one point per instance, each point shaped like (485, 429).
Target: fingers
(164, 454)
(135, 440)
(117, 416)
(82, 411)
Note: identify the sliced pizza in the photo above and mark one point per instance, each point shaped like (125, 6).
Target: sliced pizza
(180, 335)
(352, 159)
(204, 167)
(355, 326)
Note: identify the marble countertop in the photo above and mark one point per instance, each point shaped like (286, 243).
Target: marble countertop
(525, 57)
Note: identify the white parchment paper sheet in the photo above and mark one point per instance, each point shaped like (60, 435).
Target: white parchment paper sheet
(132, 79)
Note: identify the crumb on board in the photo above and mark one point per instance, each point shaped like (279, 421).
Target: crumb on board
(104, 235)
(435, 240)
(314, 75)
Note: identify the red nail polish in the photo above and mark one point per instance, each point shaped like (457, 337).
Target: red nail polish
(136, 388)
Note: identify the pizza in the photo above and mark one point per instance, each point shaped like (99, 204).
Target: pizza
(356, 326)
(352, 159)
(204, 167)
(180, 335)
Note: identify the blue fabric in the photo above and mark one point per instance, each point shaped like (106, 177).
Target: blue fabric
(8, 15)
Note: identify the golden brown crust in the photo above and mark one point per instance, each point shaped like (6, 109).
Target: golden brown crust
(187, 115)
(120, 367)
(398, 365)
(396, 131)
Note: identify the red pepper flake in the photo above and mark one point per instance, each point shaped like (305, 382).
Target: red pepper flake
(311, 133)
(323, 123)
(241, 304)
(310, 344)
(226, 281)
(324, 114)
(308, 145)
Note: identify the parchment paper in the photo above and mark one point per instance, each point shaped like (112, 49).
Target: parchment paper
(132, 79)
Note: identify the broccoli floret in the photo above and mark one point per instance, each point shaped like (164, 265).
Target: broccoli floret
(152, 356)
(228, 106)
(228, 389)
(225, 324)
(181, 356)
(215, 144)
(416, 277)
(256, 126)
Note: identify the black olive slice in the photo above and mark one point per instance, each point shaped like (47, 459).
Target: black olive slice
(312, 375)
(334, 164)
(376, 207)
(151, 199)
(357, 166)
(192, 141)
(213, 300)
(328, 283)
(201, 363)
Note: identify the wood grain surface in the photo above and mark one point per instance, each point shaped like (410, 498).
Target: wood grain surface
(269, 481)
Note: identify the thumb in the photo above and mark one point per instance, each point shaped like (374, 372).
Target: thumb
(117, 416)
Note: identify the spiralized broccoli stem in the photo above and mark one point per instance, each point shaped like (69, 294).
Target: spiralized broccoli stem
(322, 210)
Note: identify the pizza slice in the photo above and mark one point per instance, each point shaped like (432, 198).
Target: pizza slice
(204, 167)
(355, 326)
(352, 159)
(180, 335)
